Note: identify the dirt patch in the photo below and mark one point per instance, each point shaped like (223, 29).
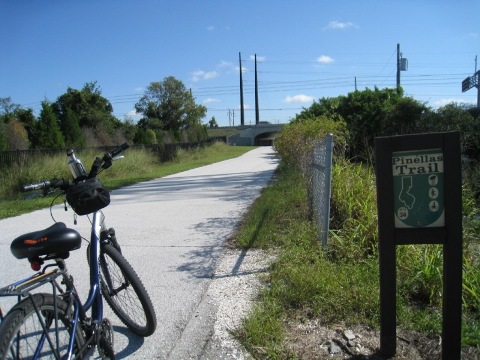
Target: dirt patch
(312, 340)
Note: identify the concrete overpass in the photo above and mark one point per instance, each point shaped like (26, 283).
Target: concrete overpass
(255, 135)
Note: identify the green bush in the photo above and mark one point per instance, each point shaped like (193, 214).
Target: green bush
(353, 214)
(296, 141)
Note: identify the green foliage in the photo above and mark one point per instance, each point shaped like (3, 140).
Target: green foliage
(88, 104)
(8, 109)
(297, 139)
(368, 114)
(138, 165)
(341, 284)
(3, 137)
(16, 135)
(452, 117)
(280, 217)
(168, 105)
(212, 124)
(353, 212)
(49, 135)
(262, 332)
(71, 129)
(85, 108)
(15, 125)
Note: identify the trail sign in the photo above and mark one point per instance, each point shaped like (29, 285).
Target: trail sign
(418, 188)
(414, 207)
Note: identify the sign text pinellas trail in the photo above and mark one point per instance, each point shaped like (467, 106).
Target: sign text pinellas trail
(415, 208)
(418, 188)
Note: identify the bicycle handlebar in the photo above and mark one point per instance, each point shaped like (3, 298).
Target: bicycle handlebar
(47, 184)
(63, 184)
(119, 149)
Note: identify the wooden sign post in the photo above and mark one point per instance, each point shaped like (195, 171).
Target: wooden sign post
(419, 200)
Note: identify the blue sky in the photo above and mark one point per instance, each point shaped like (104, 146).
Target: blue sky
(306, 50)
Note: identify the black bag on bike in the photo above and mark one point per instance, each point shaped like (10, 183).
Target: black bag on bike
(87, 196)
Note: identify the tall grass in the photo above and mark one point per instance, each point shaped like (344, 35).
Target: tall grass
(137, 165)
(353, 224)
(342, 283)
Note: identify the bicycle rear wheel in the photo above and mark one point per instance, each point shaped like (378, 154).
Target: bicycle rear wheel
(125, 293)
(22, 335)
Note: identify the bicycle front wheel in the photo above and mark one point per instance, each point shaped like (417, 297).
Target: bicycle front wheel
(125, 293)
(22, 335)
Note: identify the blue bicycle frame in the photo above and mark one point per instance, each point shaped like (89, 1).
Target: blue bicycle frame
(23, 288)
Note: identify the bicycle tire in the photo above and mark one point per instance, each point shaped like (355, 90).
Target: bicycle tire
(20, 329)
(125, 293)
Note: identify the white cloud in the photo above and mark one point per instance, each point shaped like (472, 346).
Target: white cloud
(443, 102)
(338, 25)
(325, 59)
(139, 89)
(300, 98)
(210, 28)
(210, 100)
(244, 69)
(259, 58)
(203, 75)
(226, 64)
(473, 35)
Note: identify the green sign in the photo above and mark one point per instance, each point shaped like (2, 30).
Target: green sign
(418, 188)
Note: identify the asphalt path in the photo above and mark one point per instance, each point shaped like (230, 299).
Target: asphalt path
(172, 230)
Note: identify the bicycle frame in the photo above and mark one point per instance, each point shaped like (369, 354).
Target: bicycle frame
(23, 289)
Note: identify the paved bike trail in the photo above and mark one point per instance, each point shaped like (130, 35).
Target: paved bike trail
(172, 230)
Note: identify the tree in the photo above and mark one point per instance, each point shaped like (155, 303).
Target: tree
(71, 129)
(90, 110)
(16, 136)
(168, 105)
(212, 124)
(49, 133)
(9, 112)
(29, 121)
(7, 109)
(368, 114)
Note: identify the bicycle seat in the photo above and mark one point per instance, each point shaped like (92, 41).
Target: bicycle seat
(54, 240)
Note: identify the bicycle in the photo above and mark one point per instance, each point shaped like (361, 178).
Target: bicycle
(56, 324)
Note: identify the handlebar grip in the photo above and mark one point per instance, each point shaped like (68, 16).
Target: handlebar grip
(54, 183)
(35, 186)
(119, 149)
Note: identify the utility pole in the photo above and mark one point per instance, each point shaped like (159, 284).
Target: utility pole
(402, 65)
(242, 113)
(257, 114)
(398, 67)
(473, 81)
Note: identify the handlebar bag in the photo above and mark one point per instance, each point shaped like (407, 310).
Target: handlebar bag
(87, 196)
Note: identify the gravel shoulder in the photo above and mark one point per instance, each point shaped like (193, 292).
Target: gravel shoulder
(233, 291)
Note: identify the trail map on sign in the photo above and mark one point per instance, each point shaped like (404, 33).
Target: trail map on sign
(418, 188)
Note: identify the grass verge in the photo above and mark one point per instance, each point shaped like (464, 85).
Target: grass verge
(341, 285)
(138, 165)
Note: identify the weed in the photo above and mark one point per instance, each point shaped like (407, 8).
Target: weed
(138, 165)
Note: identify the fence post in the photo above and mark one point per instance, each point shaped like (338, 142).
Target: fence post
(321, 185)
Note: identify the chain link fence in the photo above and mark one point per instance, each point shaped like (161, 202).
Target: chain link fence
(320, 185)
